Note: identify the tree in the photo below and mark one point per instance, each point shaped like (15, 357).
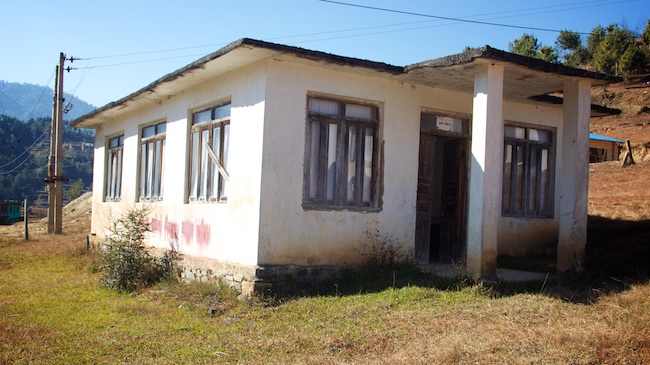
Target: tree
(593, 40)
(646, 34)
(75, 190)
(612, 47)
(548, 54)
(568, 40)
(632, 60)
(527, 45)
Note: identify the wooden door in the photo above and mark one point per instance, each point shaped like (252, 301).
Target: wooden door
(424, 202)
(452, 200)
(440, 206)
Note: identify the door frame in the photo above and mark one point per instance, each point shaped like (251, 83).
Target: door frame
(431, 126)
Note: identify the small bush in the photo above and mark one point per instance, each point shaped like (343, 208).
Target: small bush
(126, 264)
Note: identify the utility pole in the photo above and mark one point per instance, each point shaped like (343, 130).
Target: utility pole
(55, 177)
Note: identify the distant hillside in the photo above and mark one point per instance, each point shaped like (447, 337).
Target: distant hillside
(18, 100)
(634, 122)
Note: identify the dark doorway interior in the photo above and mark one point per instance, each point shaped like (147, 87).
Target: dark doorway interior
(440, 203)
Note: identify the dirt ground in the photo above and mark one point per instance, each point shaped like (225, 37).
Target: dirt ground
(634, 121)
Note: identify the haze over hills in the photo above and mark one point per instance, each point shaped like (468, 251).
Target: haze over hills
(29, 101)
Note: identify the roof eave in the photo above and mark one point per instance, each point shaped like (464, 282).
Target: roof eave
(487, 52)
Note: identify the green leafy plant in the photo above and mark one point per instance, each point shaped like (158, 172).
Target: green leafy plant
(126, 264)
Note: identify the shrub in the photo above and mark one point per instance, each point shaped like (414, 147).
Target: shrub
(126, 264)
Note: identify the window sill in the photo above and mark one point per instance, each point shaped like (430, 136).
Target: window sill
(321, 207)
(522, 216)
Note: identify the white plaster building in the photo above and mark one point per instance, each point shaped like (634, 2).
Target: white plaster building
(264, 160)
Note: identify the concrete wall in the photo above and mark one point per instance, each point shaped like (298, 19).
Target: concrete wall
(263, 222)
(224, 231)
(291, 234)
(520, 236)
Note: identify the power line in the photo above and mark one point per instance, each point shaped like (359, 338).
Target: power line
(562, 7)
(44, 134)
(461, 20)
(22, 162)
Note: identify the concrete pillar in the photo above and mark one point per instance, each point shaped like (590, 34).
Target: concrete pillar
(574, 176)
(485, 171)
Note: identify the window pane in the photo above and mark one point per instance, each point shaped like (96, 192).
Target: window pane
(118, 186)
(532, 180)
(507, 175)
(514, 132)
(331, 161)
(203, 187)
(367, 164)
(314, 164)
(539, 135)
(224, 158)
(110, 174)
(149, 131)
(194, 186)
(143, 170)
(150, 166)
(156, 170)
(544, 182)
(323, 106)
(352, 163)
(519, 178)
(162, 167)
(222, 111)
(216, 147)
(204, 116)
(359, 111)
(161, 128)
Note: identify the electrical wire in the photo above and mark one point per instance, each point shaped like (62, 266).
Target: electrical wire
(460, 20)
(21, 163)
(41, 137)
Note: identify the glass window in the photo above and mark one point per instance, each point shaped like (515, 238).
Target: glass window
(526, 172)
(113, 183)
(152, 153)
(341, 154)
(210, 141)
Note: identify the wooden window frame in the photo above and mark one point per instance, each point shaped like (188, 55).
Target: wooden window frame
(152, 161)
(114, 163)
(518, 198)
(333, 190)
(208, 183)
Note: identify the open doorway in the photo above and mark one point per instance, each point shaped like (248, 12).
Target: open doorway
(442, 190)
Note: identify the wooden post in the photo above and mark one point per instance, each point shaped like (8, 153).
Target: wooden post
(629, 158)
(26, 230)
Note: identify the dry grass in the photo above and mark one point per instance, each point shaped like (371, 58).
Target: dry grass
(53, 311)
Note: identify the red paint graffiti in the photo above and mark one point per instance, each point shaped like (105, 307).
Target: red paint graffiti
(156, 225)
(192, 233)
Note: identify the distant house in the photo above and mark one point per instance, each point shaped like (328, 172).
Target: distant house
(265, 162)
(603, 148)
(9, 211)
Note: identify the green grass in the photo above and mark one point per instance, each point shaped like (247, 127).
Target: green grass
(53, 311)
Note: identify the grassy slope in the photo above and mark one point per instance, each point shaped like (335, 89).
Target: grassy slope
(53, 311)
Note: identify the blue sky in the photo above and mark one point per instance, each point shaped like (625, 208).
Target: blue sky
(125, 45)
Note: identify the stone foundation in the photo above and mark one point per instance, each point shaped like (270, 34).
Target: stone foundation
(249, 280)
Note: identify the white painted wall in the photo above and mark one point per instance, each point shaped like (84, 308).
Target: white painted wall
(263, 221)
(291, 234)
(224, 231)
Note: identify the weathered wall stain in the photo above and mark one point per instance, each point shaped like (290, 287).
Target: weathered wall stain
(191, 233)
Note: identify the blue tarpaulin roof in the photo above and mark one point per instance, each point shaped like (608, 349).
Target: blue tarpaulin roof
(598, 137)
